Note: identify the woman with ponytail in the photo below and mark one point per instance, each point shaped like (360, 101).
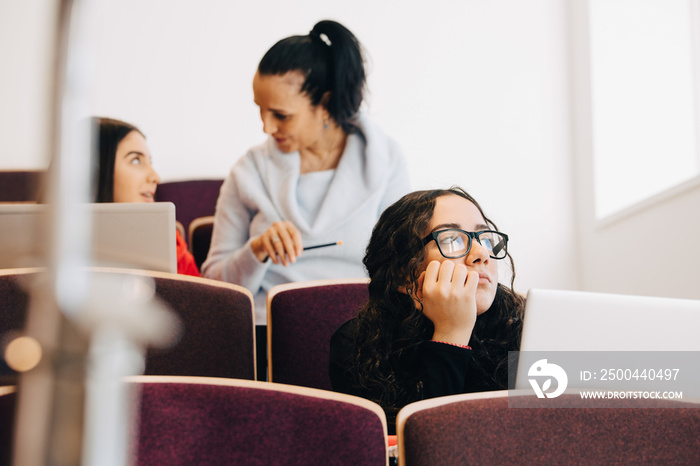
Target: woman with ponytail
(324, 174)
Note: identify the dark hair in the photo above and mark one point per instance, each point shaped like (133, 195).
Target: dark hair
(390, 324)
(109, 133)
(330, 58)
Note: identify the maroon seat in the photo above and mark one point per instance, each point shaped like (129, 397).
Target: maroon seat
(14, 302)
(20, 185)
(216, 421)
(8, 405)
(192, 198)
(217, 320)
(480, 428)
(218, 329)
(301, 318)
(198, 420)
(199, 238)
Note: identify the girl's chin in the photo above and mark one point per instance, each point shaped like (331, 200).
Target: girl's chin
(483, 303)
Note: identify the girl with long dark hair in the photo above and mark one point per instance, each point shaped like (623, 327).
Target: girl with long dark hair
(438, 322)
(125, 174)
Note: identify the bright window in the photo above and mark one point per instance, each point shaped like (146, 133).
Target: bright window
(644, 98)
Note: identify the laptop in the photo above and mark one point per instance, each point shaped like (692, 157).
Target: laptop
(557, 320)
(140, 235)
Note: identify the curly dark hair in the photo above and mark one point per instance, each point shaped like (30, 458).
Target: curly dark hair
(390, 324)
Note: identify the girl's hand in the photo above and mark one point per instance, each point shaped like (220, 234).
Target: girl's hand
(281, 243)
(448, 293)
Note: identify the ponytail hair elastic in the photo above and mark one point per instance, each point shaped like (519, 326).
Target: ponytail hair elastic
(322, 37)
(331, 60)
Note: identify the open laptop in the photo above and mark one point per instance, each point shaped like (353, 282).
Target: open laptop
(128, 235)
(557, 320)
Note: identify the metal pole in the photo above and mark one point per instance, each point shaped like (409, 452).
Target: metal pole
(50, 403)
(92, 328)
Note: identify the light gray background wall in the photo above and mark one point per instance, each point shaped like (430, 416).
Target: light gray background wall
(480, 94)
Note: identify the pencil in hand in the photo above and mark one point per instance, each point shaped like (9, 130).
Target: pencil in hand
(323, 245)
(315, 247)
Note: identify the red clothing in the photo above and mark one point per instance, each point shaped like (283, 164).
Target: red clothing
(185, 261)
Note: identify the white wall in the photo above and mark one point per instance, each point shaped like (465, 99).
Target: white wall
(476, 93)
(26, 38)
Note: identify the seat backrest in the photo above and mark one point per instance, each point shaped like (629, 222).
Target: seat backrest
(217, 323)
(301, 318)
(480, 428)
(223, 421)
(218, 337)
(20, 185)
(14, 302)
(199, 238)
(203, 420)
(8, 406)
(192, 198)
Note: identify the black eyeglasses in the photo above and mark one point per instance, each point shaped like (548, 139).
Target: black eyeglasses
(454, 243)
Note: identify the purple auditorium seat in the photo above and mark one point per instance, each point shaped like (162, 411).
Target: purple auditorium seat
(8, 405)
(217, 320)
(190, 420)
(14, 301)
(199, 238)
(20, 185)
(301, 318)
(192, 198)
(480, 428)
(218, 329)
(201, 420)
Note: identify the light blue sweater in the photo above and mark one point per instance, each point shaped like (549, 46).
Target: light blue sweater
(262, 188)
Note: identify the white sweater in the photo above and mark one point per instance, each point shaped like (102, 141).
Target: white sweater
(262, 188)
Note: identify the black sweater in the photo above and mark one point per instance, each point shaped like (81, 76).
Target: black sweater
(439, 369)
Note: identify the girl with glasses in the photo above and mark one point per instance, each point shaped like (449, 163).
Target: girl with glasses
(438, 322)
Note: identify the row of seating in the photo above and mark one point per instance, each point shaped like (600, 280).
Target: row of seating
(196, 420)
(218, 324)
(200, 420)
(450, 430)
(217, 346)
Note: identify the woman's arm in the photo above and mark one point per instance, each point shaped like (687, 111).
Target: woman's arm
(399, 181)
(231, 256)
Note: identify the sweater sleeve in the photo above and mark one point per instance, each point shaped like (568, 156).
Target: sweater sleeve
(399, 182)
(231, 257)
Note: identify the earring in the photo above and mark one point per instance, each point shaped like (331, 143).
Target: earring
(325, 123)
